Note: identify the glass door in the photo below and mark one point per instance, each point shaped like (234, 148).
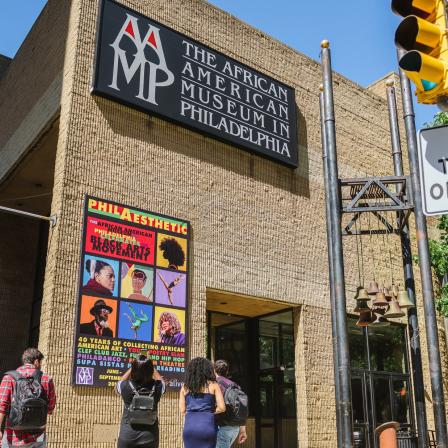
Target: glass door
(232, 345)
(380, 381)
(277, 421)
(269, 410)
(391, 398)
(288, 413)
(362, 419)
(260, 352)
(378, 398)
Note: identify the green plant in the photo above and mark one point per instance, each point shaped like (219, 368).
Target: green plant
(440, 119)
(442, 301)
(439, 261)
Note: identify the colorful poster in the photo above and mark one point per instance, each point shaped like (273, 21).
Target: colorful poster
(133, 294)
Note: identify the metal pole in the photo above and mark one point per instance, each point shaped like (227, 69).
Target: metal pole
(337, 391)
(52, 218)
(337, 253)
(432, 337)
(416, 356)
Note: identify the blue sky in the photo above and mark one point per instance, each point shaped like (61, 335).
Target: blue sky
(361, 32)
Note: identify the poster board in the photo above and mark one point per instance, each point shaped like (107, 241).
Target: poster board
(133, 294)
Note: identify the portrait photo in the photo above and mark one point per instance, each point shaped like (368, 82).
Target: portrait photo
(171, 288)
(136, 282)
(169, 326)
(135, 321)
(98, 317)
(171, 252)
(100, 276)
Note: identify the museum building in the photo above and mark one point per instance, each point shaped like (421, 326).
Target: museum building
(139, 126)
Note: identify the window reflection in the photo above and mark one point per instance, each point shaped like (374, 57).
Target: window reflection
(382, 400)
(276, 341)
(401, 401)
(357, 341)
(233, 348)
(387, 349)
(357, 401)
(288, 346)
(288, 403)
(268, 345)
(380, 379)
(267, 396)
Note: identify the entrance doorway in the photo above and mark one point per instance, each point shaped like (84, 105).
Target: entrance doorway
(23, 247)
(260, 352)
(377, 399)
(380, 381)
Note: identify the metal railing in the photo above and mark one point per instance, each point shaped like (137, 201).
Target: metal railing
(407, 439)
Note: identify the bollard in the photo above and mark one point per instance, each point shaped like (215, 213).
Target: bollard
(387, 435)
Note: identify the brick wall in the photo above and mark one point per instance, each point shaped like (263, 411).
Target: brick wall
(4, 64)
(241, 208)
(34, 67)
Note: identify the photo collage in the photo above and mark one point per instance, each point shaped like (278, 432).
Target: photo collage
(126, 300)
(134, 282)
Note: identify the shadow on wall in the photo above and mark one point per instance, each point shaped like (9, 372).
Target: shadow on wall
(128, 122)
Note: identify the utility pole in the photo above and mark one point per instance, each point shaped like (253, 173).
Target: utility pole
(435, 367)
(417, 370)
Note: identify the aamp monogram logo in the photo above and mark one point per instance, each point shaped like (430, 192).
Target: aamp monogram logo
(147, 69)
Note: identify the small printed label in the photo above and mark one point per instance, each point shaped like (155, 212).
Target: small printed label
(84, 375)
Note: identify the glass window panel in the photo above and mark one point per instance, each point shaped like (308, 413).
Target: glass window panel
(268, 352)
(357, 401)
(289, 376)
(269, 344)
(288, 401)
(383, 409)
(287, 341)
(232, 346)
(267, 396)
(276, 340)
(288, 398)
(401, 401)
(387, 349)
(360, 420)
(357, 345)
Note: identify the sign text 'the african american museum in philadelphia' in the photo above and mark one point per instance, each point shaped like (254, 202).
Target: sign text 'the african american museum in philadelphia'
(149, 67)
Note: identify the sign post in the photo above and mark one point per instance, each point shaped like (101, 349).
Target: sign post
(432, 337)
(433, 161)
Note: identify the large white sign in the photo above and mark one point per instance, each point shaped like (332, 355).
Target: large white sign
(433, 161)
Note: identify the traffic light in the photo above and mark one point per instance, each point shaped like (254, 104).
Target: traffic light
(423, 34)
